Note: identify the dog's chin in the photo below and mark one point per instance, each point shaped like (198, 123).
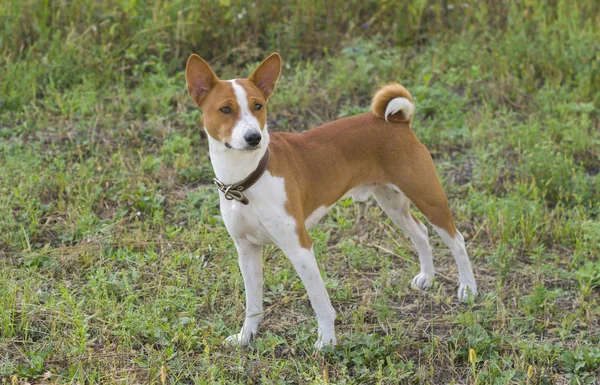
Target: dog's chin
(243, 149)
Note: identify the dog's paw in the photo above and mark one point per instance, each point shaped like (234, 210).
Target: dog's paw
(322, 342)
(465, 290)
(240, 339)
(422, 281)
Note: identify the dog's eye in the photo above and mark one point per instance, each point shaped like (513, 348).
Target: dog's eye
(226, 110)
(257, 106)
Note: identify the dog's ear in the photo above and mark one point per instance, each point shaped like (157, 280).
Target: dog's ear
(199, 78)
(266, 74)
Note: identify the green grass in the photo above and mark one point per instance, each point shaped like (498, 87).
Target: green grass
(116, 266)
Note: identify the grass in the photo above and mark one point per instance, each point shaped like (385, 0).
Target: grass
(115, 264)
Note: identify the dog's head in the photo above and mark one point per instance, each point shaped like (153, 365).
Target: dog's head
(234, 112)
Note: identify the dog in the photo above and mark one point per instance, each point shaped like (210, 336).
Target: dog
(275, 186)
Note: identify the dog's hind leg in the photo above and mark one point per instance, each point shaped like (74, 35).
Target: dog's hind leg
(421, 185)
(395, 204)
(456, 243)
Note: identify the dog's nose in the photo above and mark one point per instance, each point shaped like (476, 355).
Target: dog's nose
(253, 138)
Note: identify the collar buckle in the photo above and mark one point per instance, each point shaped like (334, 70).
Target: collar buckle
(231, 191)
(235, 191)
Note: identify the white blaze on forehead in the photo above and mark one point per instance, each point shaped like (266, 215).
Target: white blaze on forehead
(242, 98)
(247, 121)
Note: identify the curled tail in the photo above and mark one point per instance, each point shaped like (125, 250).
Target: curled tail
(393, 102)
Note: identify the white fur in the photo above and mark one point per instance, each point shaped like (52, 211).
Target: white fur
(465, 272)
(359, 194)
(247, 122)
(264, 220)
(399, 104)
(251, 266)
(397, 206)
(316, 216)
(305, 263)
(232, 166)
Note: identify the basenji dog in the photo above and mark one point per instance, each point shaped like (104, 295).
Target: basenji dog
(275, 186)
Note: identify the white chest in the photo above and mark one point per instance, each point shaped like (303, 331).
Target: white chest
(254, 222)
(243, 223)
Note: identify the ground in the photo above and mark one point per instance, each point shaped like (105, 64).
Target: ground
(116, 267)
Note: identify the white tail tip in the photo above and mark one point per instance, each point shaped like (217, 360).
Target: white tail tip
(399, 104)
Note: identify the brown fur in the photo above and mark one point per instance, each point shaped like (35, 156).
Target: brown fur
(212, 94)
(267, 73)
(320, 165)
(200, 78)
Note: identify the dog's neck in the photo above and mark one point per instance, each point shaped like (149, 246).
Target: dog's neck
(232, 166)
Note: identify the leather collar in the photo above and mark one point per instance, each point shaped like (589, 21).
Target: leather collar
(236, 190)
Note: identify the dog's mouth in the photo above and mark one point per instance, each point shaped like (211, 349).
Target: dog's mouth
(248, 148)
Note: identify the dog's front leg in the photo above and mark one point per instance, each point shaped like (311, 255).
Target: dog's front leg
(251, 265)
(306, 265)
(293, 239)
